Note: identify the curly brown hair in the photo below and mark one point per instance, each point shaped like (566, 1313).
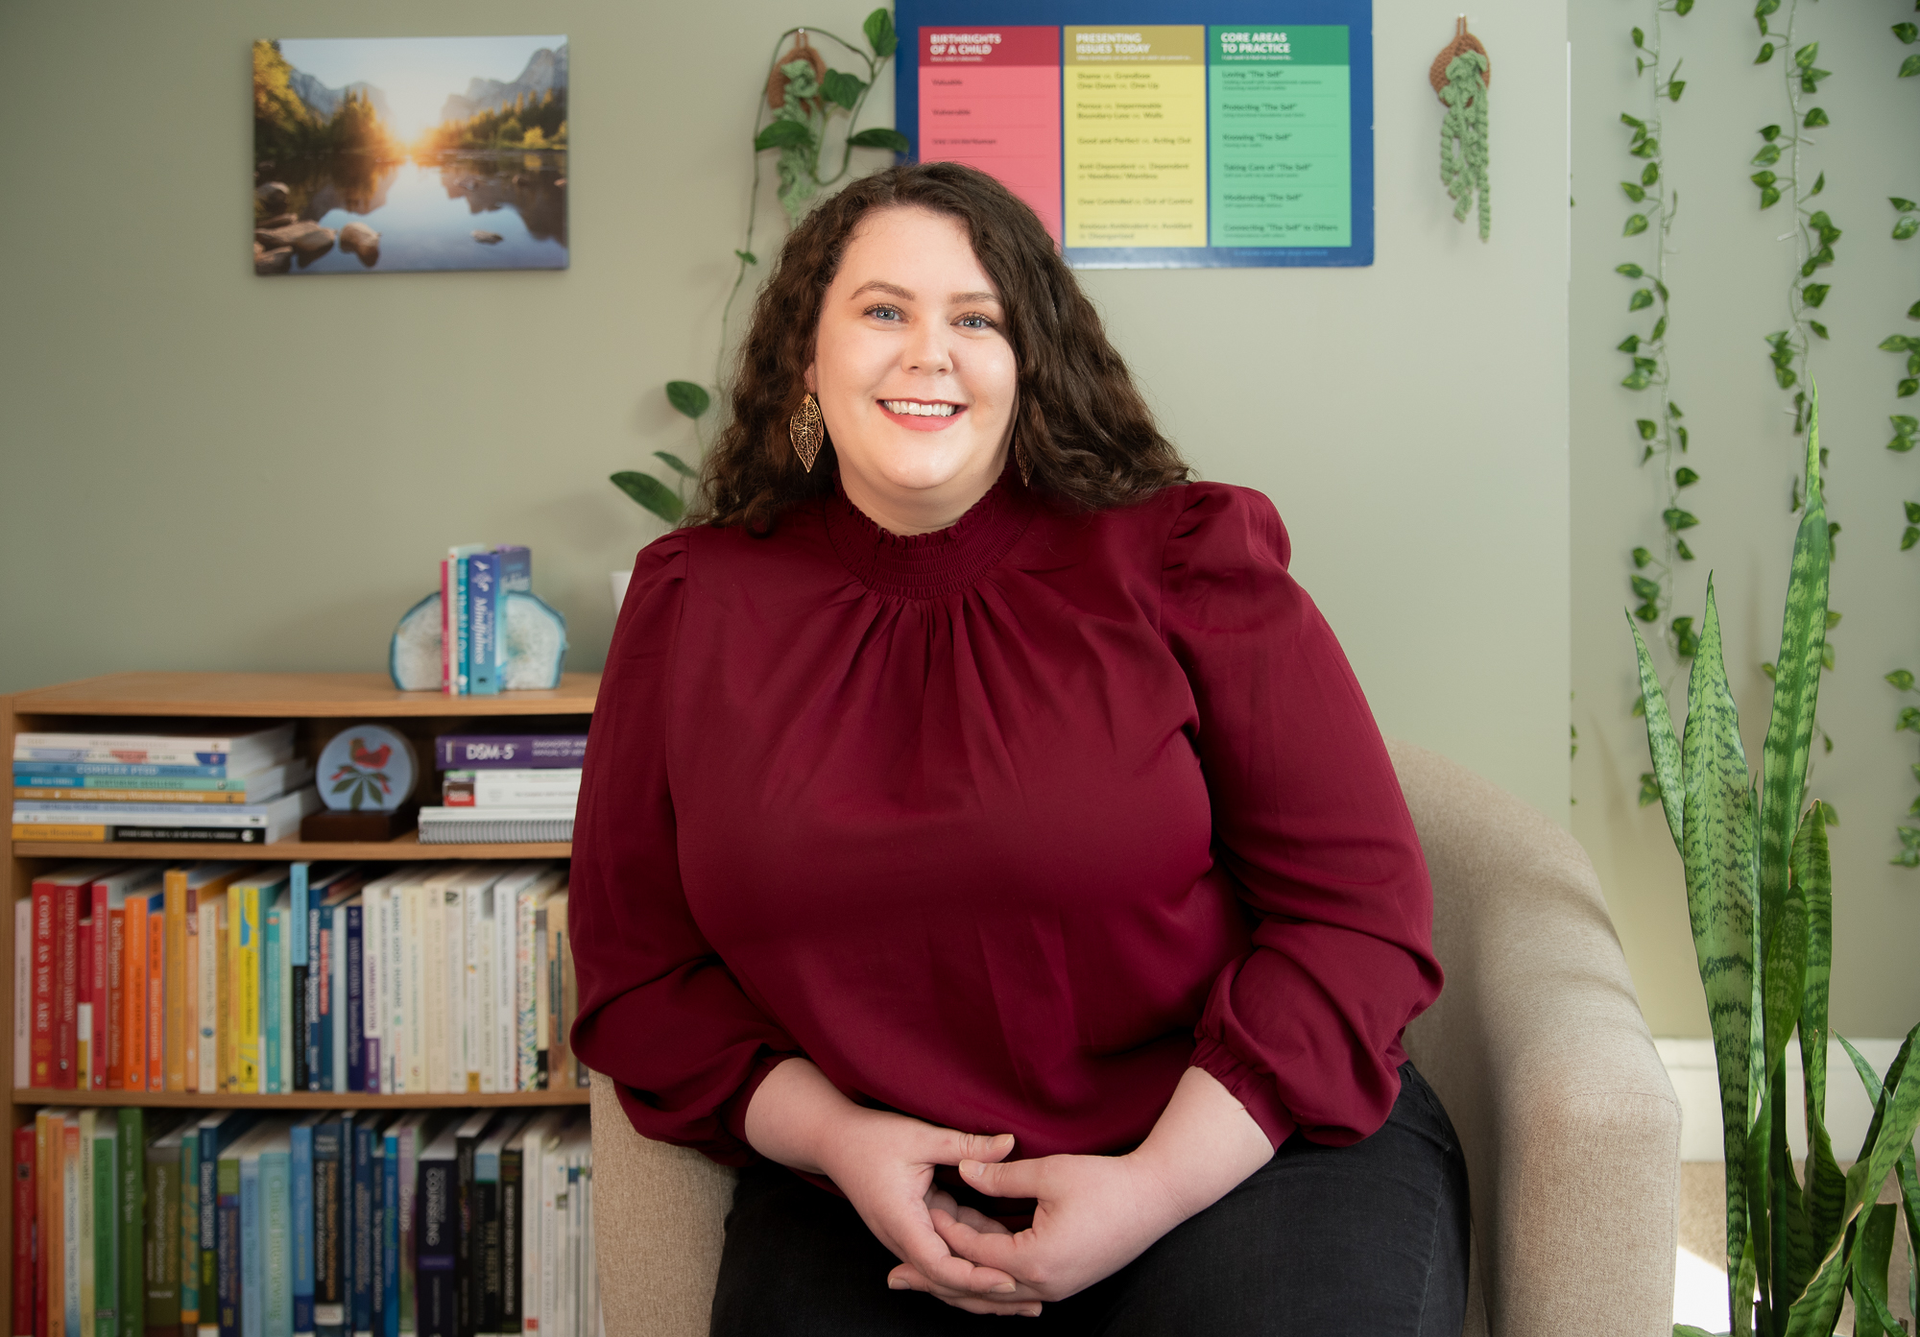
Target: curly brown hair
(1084, 427)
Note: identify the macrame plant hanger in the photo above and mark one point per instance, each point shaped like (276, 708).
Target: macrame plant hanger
(1461, 75)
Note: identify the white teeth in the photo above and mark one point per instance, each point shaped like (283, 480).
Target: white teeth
(915, 410)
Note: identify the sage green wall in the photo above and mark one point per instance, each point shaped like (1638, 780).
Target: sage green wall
(1729, 283)
(208, 470)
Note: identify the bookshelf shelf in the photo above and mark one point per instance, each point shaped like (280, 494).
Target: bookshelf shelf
(406, 847)
(301, 1100)
(290, 696)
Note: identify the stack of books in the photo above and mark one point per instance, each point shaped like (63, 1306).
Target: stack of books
(475, 579)
(442, 1223)
(241, 789)
(270, 978)
(504, 787)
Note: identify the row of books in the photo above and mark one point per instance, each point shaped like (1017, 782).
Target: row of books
(167, 1223)
(475, 579)
(242, 789)
(505, 787)
(419, 978)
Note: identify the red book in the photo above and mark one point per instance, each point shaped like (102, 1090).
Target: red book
(25, 1220)
(116, 999)
(156, 993)
(100, 917)
(66, 976)
(133, 1028)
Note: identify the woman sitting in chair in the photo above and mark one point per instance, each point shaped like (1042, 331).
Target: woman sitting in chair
(980, 822)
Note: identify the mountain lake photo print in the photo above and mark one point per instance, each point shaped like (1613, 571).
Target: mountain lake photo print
(408, 153)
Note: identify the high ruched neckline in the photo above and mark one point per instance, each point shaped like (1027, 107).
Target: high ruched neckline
(945, 561)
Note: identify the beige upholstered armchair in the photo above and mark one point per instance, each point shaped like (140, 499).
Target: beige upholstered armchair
(1537, 1047)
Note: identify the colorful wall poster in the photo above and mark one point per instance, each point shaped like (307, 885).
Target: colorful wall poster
(992, 100)
(1185, 133)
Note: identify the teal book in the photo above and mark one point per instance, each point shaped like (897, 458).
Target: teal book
(276, 1233)
(106, 1227)
(253, 1260)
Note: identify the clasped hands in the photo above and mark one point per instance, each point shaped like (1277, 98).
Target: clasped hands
(1095, 1214)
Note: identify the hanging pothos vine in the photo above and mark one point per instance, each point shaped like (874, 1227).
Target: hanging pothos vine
(1906, 222)
(797, 107)
(1661, 437)
(1780, 177)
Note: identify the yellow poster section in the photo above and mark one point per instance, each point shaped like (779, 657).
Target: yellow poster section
(1136, 135)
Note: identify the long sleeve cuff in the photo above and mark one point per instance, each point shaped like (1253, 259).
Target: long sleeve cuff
(733, 1114)
(1250, 1088)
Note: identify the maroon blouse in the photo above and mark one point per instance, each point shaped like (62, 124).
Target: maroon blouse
(1002, 826)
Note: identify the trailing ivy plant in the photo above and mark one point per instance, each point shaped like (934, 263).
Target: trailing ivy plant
(1662, 437)
(797, 110)
(1906, 222)
(1781, 176)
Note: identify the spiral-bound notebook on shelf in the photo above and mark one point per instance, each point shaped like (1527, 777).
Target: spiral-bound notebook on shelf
(493, 826)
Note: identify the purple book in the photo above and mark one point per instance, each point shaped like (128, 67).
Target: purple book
(480, 752)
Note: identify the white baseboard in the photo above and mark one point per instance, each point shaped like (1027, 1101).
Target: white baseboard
(1695, 1080)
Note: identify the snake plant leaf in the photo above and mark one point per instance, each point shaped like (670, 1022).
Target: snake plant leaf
(651, 493)
(1871, 1317)
(1661, 742)
(1794, 1253)
(1796, 689)
(1812, 874)
(1688, 1330)
(1756, 1258)
(1896, 1114)
(1717, 844)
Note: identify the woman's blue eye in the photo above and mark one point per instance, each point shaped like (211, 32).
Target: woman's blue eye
(976, 322)
(883, 312)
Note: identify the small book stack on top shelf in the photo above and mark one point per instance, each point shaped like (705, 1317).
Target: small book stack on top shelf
(504, 787)
(442, 1223)
(427, 978)
(241, 789)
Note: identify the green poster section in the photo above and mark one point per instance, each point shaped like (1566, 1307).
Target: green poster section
(1279, 127)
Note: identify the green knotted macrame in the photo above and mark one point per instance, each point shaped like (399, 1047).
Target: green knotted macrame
(1464, 171)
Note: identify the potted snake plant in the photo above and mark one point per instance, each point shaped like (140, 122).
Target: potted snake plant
(1760, 896)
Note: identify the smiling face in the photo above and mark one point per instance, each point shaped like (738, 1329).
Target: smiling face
(913, 370)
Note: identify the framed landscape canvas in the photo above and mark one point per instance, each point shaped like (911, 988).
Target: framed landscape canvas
(390, 154)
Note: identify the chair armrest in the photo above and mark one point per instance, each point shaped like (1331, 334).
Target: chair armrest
(659, 1220)
(1538, 1049)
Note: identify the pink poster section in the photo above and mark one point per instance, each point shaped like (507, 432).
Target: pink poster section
(990, 98)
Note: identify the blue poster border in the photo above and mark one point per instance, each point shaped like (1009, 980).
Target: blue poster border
(911, 15)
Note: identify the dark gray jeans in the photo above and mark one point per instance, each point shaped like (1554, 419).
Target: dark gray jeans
(1319, 1242)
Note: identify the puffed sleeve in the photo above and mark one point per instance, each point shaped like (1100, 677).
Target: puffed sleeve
(659, 1011)
(1308, 817)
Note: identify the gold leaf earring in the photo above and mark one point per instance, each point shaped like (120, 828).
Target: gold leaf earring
(806, 431)
(1021, 463)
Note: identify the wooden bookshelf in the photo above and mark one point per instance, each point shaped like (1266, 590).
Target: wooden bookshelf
(318, 702)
